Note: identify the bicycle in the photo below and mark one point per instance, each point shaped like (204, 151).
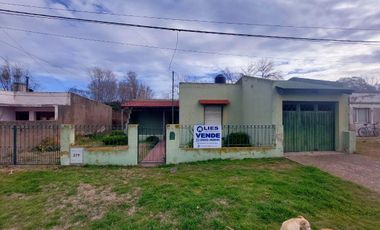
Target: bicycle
(369, 130)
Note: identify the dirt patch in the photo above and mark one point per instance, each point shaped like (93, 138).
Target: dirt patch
(221, 202)
(92, 202)
(368, 146)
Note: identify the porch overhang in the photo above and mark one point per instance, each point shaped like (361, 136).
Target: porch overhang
(286, 91)
(213, 102)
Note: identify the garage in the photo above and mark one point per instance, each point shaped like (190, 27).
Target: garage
(309, 126)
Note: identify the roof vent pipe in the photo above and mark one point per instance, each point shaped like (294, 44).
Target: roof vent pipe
(220, 79)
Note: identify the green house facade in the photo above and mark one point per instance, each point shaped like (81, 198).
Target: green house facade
(313, 115)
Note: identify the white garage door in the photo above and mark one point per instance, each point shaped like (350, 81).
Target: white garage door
(213, 115)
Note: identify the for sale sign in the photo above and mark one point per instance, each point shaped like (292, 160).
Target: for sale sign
(207, 136)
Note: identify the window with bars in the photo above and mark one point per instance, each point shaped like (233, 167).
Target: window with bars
(362, 115)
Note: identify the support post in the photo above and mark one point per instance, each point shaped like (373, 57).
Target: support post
(14, 145)
(67, 138)
(172, 97)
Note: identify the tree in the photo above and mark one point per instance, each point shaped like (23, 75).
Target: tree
(230, 76)
(103, 85)
(131, 88)
(263, 68)
(356, 83)
(14, 74)
(80, 92)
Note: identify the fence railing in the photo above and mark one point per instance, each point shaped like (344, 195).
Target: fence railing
(27, 143)
(235, 136)
(100, 135)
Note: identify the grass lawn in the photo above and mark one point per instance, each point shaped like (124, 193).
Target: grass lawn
(247, 194)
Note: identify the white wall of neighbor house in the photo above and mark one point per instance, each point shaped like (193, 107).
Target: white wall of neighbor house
(364, 108)
(7, 114)
(33, 98)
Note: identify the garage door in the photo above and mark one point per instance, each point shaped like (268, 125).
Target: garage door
(309, 126)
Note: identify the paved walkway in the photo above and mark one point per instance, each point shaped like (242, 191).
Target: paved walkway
(155, 155)
(362, 170)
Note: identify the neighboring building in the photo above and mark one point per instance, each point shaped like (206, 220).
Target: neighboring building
(364, 109)
(314, 115)
(152, 114)
(65, 108)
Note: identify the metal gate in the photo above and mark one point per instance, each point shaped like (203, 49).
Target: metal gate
(29, 144)
(151, 146)
(309, 127)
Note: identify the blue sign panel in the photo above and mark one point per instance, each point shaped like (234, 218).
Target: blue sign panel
(207, 136)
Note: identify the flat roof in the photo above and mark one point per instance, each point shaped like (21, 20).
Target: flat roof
(154, 103)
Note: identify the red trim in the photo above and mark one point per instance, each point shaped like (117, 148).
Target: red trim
(214, 102)
(150, 103)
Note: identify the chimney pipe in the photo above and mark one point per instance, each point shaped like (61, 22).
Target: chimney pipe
(27, 83)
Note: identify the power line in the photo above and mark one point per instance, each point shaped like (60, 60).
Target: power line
(194, 20)
(151, 46)
(175, 49)
(32, 56)
(309, 39)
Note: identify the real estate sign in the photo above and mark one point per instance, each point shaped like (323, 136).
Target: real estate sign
(207, 136)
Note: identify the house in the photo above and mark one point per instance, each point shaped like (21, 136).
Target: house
(308, 115)
(65, 108)
(152, 114)
(364, 109)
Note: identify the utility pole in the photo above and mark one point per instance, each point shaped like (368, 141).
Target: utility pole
(172, 97)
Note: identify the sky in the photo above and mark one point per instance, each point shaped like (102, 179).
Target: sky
(60, 62)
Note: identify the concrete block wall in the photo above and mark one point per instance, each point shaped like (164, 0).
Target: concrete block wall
(175, 154)
(115, 155)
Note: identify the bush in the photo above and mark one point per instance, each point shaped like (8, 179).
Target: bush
(237, 140)
(46, 145)
(153, 140)
(117, 133)
(115, 140)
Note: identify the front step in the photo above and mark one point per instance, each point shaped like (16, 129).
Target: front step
(151, 164)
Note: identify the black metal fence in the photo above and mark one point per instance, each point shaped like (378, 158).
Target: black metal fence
(100, 135)
(27, 143)
(235, 136)
(151, 145)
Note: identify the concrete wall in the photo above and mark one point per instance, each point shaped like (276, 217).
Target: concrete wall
(7, 114)
(370, 101)
(117, 155)
(175, 154)
(257, 101)
(33, 99)
(83, 111)
(191, 112)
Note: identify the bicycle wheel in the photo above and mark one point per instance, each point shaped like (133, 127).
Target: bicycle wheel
(363, 132)
(376, 132)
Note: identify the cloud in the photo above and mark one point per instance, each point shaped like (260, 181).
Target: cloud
(68, 60)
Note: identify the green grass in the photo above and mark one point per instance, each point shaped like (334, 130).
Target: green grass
(247, 194)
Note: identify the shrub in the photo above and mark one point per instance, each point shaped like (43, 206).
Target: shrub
(46, 145)
(153, 140)
(117, 133)
(115, 140)
(237, 140)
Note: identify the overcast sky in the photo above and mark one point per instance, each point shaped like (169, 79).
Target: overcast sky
(59, 63)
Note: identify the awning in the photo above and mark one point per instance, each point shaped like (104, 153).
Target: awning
(214, 102)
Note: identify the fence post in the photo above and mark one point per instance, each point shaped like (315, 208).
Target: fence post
(67, 138)
(14, 145)
(133, 137)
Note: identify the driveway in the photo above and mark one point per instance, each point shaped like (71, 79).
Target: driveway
(362, 170)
